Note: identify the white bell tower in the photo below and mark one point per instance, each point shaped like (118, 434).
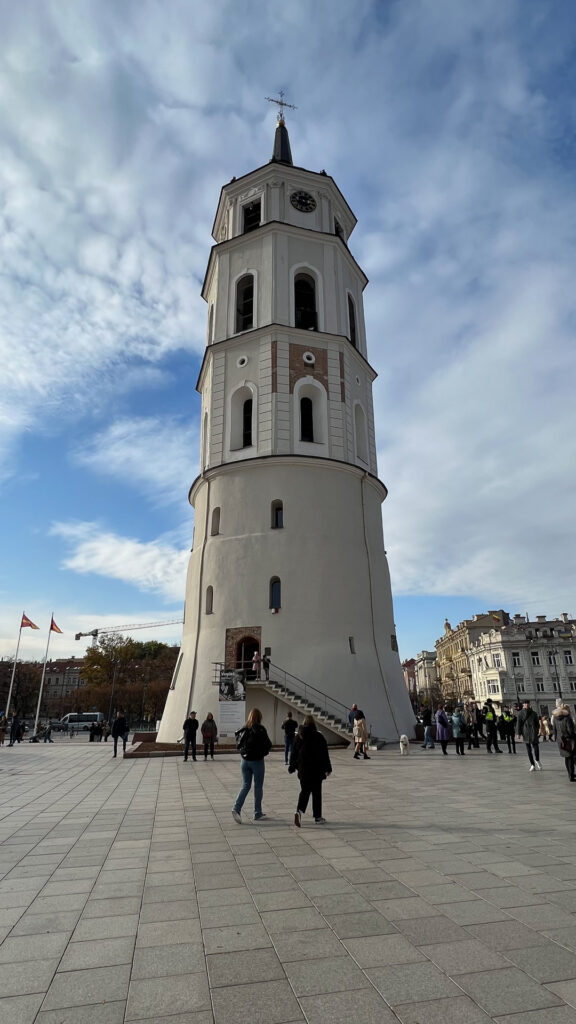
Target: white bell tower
(288, 550)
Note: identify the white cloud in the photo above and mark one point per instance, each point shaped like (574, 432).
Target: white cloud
(156, 566)
(157, 454)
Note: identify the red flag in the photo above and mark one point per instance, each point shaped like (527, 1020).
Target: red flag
(54, 627)
(28, 622)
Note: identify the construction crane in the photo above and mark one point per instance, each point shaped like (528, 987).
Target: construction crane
(95, 633)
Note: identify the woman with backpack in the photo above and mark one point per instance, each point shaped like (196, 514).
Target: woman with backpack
(311, 760)
(254, 745)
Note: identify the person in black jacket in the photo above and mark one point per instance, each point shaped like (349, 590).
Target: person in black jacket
(565, 736)
(190, 728)
(289, 725)
(120, 731)
(311, 760)
(254, 745)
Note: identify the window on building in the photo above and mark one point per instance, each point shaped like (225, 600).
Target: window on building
(338, 229)
(535, 655)
(351, 645)
(361, 434)
(352, 320)
(209, 600)
(573, 686)
(215, 526)
(251, 216)
(540, 687)
(497, 660)
(275, 593)
(555, 687)
(306, 420)
(247, 423)
(277, 510)
(521, 688)
(493, 687)
(211, 322)
(551, 657)
(305, 315)
(245, 303)
(516, 659)
(568, 658)
(479, 661)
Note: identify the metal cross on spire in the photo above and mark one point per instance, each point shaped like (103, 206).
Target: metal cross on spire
(282, 104)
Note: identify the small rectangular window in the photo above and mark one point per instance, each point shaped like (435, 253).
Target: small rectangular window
(394, 642)
(568, 658)
(497, 661)
(535, 657)
(516, 659)
(352, 645)
(251, 216)
(277, 515)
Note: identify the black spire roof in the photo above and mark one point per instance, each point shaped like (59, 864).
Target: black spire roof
(282, 153)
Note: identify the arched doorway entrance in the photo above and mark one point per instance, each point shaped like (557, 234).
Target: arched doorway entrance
(245, 649)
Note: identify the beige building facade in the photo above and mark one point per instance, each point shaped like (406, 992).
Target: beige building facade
(452, 662)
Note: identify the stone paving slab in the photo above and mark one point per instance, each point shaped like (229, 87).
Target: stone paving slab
(129, 894)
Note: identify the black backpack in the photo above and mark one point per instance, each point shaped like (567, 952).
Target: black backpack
(254, 743)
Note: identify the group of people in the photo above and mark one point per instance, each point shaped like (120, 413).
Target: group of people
(468, 723)
(209, 731)
(99, 731)
(308, 757)
(260, 662)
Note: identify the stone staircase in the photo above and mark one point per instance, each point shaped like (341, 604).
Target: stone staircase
(305, 705)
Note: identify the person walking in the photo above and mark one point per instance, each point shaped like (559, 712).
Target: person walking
(471, 726)
(92, 733)
(311, 760)
(289, 725)
(190, 728)
(565, 736)
(360, 735)
(254, 745)
(209, 735)
(106, 730)
(351, 715)
(509, 728)
(528, 726)
(479, 723)
(442, 728)
(119, 731)
(48, 733)
(459, 729)
(427, 723)
(490, 724)
(15, 731)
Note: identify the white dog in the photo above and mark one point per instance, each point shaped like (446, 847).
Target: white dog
(404, 746)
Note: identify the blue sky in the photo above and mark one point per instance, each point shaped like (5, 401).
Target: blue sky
(449, 127)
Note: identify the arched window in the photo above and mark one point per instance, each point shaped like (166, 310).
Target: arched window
(209, 600)
(211, 322)
(360, 434)
(305, 314)
(306, 420)
(275, 592)
(215, 528)
(352, 320)
(247, 423)
(205, 442)
(242, 410)
(277, 510)
(245, 303)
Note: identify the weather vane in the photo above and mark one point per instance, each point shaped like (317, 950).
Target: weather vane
(282, 104)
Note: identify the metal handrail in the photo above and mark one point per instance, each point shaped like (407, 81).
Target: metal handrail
(304, 689)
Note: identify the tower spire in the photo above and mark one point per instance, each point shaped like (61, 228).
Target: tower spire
(281, 153)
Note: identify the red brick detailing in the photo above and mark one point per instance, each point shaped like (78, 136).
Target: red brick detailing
(298, 368)
(233, 636)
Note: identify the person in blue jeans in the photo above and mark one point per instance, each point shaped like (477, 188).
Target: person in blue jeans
(289, 726)
(427, 723)
(254, 745)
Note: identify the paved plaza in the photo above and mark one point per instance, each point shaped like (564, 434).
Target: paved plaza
(441, 889)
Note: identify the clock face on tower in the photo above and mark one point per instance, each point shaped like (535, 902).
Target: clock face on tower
(303, 201)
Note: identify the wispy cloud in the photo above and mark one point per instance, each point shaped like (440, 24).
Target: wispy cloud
(155, 567)
(156, 454)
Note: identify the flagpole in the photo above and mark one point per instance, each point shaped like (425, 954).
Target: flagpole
(43, 674)
(14, 667)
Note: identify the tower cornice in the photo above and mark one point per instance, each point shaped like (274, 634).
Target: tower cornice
(270, 171)
(309, 462)
(272, 227)
(295, 334)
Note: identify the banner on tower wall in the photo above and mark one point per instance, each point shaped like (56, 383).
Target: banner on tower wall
(231, 703)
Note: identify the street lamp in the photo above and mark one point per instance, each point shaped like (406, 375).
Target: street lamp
(552, 652)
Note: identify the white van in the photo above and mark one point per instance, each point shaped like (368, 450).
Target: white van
(81, 720)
